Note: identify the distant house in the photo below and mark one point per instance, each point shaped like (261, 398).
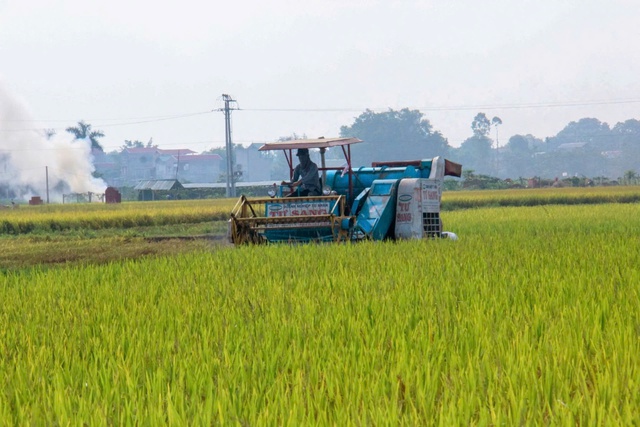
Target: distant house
(105, 166)
(165, 166)
(198, 168)
(252, 164)
(138, 164)
(132, 165)
(142, 163)
(108, 171)
(189, 168)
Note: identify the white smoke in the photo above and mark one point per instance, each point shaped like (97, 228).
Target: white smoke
(26, 154)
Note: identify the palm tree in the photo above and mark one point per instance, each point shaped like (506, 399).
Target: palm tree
(83, 131)
(49, 133)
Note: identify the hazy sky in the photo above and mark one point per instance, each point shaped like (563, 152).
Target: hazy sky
(150, 69)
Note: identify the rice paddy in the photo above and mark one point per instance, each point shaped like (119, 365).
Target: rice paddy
(531, 317)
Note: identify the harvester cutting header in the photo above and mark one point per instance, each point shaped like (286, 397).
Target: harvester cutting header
(394, 200)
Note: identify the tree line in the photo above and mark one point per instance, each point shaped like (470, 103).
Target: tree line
(584, 148)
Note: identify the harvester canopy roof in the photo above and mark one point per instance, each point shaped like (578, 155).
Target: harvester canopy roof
(309, 143)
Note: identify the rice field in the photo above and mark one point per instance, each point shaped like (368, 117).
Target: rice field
(454, 200)
(98, 216)
(531, 317)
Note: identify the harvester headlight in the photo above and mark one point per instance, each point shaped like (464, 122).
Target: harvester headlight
(326, 190)
(272, 192)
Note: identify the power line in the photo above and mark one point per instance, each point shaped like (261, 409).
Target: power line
(144, 118)
(182, 116)
(125, 122)
(119, 147)
(537, 105)
(460, 107)
(154, 119)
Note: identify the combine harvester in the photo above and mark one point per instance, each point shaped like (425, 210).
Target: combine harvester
(389, 200)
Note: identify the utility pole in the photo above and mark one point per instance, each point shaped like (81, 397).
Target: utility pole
(46, 172)
(495, 122)
(497, 152)
(178, 165)
(231, 186)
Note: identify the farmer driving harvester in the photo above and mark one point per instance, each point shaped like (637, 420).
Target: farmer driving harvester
(388, 200)
(306, 181)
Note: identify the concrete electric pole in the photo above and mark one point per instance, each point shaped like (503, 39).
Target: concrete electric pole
(231, 186)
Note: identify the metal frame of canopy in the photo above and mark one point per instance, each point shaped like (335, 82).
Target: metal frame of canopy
(322, 144)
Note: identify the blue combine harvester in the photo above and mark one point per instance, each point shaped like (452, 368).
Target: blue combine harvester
(389, 200)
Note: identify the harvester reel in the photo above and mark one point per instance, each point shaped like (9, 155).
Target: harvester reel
(242, 233)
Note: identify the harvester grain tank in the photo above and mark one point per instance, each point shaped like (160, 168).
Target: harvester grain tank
(388, 200)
